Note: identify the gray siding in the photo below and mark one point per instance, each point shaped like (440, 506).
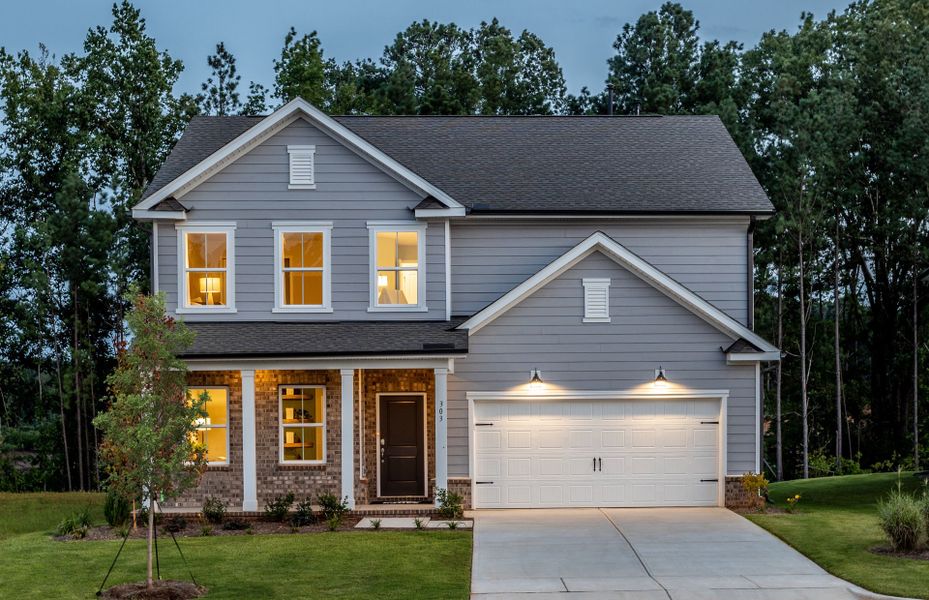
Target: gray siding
(709, 257)
(252, 191)
(648, 329)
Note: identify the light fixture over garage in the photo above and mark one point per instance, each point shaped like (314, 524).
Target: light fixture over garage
(535, 383)
(661, 379)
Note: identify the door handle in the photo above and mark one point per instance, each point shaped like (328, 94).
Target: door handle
(595, 464)
(600, 464)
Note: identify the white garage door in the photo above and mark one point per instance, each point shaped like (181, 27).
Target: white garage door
(554, 453)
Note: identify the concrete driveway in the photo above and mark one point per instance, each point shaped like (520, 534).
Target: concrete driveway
(639, 554)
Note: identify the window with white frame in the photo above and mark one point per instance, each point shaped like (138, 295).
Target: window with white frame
(397, 266)
(207, 277)
(303, 424)
(212, 432)
(302, 267)
(596, 300)
(302, 167)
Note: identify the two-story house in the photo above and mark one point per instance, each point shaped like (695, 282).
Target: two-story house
(531, 311)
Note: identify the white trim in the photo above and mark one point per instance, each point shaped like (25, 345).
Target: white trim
(598, 284)
(758, 417)
(426, 213)
(448, 271)
(347, 419)
(154, 215)
(297, 152)
(155, 257)
(324, 362)
(528, 216)
(377, 433)
(440, 377)
(722, 428)
(225, 427)
(205, 227)
(280, 424)
(733, 358)
(249, 449)
(374, 227)
(279, 228)
(273, 123)
(633, 263)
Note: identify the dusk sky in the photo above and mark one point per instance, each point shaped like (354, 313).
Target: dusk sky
(581, 32)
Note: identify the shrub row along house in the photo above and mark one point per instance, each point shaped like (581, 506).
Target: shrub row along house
(530, 311)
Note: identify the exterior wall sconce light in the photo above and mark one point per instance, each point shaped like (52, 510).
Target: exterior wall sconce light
(661, 380)
(535, 383)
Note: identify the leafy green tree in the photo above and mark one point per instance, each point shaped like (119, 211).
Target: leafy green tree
(256, 103)
(301, 70)
(151, 423)
(516, 76)
(221, 90)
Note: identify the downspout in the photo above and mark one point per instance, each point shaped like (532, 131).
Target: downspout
(750, 262)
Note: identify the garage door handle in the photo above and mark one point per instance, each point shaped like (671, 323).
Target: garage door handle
(595, 464)
(483, 483)
(483, 424)
(709, 422)
(600, 464)
(709, 480)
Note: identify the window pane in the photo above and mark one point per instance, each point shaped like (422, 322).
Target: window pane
(206, 288)
(386, 249)
(408, 248)
(313, 287)
(293, 287)
(303, 443)
(409, 287)
(216, 250)
(302, 405)
(215, 441)
(210, 431)
(313, 250)
(196, 250)
(216, 406)
(291, 253)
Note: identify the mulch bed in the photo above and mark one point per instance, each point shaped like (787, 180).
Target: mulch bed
(914, 555)
(164, 589)
(195, 528)
(771, 510)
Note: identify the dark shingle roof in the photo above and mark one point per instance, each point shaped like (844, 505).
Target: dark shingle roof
(741, 345)
(647, 164)
(341, 338)
(169, 204)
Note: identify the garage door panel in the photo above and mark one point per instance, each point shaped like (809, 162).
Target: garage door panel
(648, 453)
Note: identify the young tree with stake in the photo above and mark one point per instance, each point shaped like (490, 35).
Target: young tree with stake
(149, 430)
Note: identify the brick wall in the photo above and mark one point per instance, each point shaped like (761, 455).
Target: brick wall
(738, 497)
(461, 485)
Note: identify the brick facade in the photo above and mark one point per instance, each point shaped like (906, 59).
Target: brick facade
(306, 481)
(737, 497)
(461, 485)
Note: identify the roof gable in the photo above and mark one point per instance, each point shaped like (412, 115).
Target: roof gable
(600, 242)
(252, 136)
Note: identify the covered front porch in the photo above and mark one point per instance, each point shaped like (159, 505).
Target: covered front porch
(370, 430)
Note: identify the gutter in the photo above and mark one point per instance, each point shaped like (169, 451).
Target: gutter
(750, 262)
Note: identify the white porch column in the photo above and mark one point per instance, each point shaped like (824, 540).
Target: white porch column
(348, 436)
(249, 461)
(441, 429)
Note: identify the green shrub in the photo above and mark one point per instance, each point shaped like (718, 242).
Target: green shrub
(901, 519)
(419, 523)
(333, 523)
(206, 530)
(450, 504)
(116, 509)
(214, 510)
(331, 507)
(376, 524)
(277, 509)
(304, 514)
(924, 508)
(76, 525)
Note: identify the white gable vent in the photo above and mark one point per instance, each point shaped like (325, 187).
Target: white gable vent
(596, 300)
(302, 169)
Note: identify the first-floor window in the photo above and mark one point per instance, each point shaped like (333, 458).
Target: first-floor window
(303, 424)
(212, 432)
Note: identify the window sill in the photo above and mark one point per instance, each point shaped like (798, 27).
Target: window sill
(302, 309)
(388, 309)
(218, 467)
(206, 311)
(301, 186)
(597, 320)
(312, 466)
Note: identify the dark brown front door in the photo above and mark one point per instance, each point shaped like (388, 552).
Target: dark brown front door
(402, 452)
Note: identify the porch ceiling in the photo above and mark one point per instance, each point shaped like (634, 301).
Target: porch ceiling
(271, 339)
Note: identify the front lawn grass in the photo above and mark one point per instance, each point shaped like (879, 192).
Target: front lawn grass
(836, 526)
(363, 564)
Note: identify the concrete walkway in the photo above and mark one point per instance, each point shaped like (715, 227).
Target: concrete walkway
(639, 554)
